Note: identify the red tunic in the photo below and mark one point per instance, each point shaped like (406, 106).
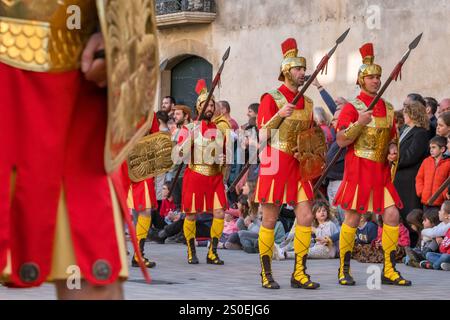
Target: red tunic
(52, 135)
(368, 176)
(286, 180)
(201, 188)
(143, 193)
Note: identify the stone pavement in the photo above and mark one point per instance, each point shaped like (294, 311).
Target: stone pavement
(239, 279)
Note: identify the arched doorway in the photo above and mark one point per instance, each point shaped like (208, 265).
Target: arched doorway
(184, 77)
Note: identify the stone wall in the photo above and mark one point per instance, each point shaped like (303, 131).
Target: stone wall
(255, 29)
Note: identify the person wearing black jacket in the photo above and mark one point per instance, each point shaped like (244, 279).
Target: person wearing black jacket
(413, 150)
(431, 105)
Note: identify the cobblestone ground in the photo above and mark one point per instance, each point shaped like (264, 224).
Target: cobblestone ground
(239, 279)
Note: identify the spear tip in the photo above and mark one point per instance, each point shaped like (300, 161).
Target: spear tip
(343, 36)
(227, 54)
(415, 42)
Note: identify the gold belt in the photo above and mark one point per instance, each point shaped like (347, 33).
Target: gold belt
(37, 46)
(285, 146)
(206, 169)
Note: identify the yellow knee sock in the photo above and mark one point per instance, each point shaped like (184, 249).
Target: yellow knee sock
(346, 244)
(216, 232)
(189, 229)
(302, 240)
(389, 241)
(266, 239)
(142, 227)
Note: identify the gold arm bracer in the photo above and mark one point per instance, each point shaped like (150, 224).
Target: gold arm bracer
(353, 131)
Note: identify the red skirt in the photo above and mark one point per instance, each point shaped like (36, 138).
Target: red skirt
(202, 193)
(142, 195)
(280, 181)
(53, 136)
(366, 186)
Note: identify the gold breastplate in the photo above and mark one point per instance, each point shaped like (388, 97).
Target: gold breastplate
(203, 159)
(299, 121)
(373, 143)
(34, 35)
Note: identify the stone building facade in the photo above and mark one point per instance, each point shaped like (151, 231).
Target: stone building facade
(201, 30)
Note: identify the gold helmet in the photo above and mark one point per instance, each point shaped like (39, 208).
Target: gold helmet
(202, 91)
(290, 59)
(368, 68)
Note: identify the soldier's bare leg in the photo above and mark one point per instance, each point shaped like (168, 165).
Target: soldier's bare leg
(112, 291)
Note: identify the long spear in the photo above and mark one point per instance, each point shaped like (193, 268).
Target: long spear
(438, 192)
(297, 97)
(393, 76)
(202, 113)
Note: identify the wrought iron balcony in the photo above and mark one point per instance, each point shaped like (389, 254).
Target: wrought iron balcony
(175, 6)
(178, 12)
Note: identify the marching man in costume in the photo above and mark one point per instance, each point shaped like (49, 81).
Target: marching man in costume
(286, 184)
(58, 206)
(203, 187)
(367, 184)
(142, 199)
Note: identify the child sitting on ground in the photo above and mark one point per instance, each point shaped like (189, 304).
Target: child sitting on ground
(439, 260)
(366, 233)
(243, 206)
(438, 232)
(230, 226)
(374, 253)
(323, 229)
(418, 222)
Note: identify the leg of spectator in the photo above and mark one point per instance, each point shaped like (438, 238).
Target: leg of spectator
(158, 221)
(174, 228)
(435, 259)
(445, 261)
(248, 240)
(233, 242)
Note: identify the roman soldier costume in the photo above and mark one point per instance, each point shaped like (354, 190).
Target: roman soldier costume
(203, 187)
(367, 184)
(280, 179)
(142, 199)
(58, 205)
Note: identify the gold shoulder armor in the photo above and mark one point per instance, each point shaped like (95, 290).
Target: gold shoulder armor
(222, 124)
(308, 100)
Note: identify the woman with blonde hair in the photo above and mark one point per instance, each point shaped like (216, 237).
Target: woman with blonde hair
(323, 121)
(413, 149)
